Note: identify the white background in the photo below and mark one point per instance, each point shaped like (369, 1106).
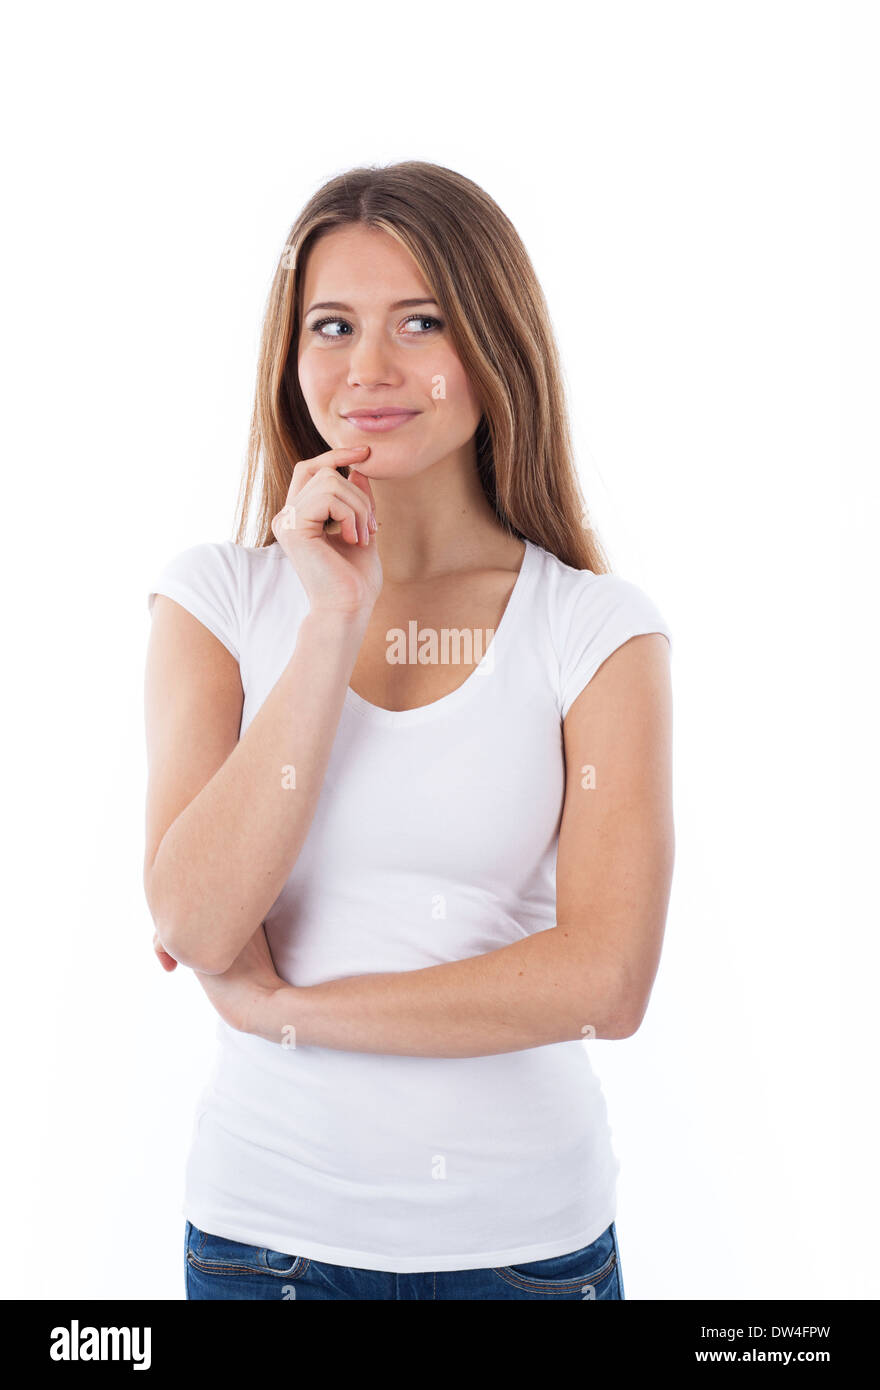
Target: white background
(694, 184)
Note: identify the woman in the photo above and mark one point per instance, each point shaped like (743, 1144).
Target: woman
(409, 809)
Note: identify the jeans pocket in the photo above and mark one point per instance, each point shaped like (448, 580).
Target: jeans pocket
(219, 1255)
(590, 1270)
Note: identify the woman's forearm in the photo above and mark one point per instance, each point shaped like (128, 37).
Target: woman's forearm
(225, 859)
(550, 987)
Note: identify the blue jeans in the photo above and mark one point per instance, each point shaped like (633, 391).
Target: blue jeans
(220, 1268)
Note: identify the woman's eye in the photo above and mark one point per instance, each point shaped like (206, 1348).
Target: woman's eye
(423, 318)
(324, 323)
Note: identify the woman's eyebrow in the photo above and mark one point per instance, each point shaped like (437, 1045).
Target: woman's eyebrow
(335, 304)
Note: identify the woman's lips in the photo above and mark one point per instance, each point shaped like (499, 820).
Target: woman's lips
(379, 424)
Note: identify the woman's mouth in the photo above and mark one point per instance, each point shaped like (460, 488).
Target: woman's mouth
(381, 421)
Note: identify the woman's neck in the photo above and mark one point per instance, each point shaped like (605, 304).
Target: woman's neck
(438, 521)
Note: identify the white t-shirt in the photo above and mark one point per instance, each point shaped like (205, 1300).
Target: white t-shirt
(434, 840)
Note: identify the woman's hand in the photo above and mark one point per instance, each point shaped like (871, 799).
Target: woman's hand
(249, 981)
(340, 572)
(167, 962)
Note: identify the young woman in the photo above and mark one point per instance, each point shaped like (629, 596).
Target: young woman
(409, 808)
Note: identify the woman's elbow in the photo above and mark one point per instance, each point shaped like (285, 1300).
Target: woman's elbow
(632, 1007)
(179, 933)
(203, 957)
(176, 937)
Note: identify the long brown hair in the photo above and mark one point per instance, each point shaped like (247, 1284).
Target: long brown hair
(480, 274)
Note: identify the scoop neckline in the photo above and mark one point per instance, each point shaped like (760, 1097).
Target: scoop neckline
(420, 714)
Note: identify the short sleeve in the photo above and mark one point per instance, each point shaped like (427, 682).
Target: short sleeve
(605, 612)
(204, 580)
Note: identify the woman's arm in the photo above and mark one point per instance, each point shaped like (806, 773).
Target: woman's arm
(226, 818)
(588, 976)
(223, 829)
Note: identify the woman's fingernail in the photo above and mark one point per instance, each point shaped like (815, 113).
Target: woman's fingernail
(373, 523)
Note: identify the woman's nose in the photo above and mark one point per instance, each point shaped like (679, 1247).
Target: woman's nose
(371, 362)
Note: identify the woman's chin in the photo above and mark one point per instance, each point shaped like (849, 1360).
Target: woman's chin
(387, 460)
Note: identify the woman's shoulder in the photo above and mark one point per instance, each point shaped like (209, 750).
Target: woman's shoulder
(588, 616)
(225, 564)
(222, 583)
(569, 591)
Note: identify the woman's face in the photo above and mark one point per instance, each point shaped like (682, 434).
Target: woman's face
(371, 351)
